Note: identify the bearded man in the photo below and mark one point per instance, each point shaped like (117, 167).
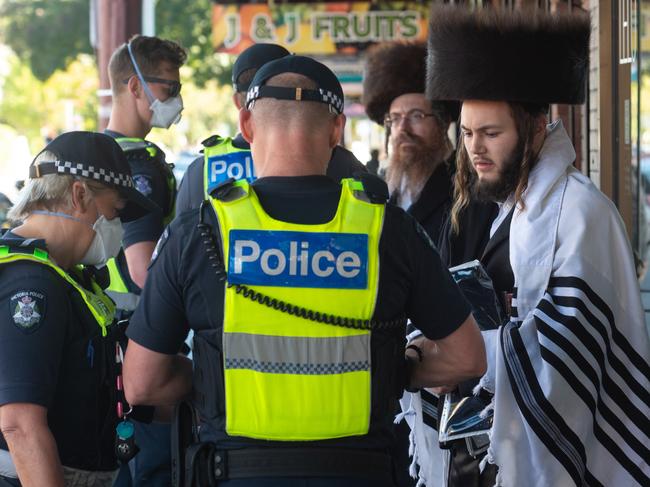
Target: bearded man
(420, 170)
(569, 374)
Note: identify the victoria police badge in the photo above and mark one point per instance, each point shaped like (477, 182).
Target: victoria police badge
(27, 309)
(143, 184)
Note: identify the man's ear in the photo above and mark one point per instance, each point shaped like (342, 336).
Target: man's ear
(238, 100)
(246, 125)
(539, 131)
(337, 130)
(135, 87)
(79, 197)
(541, 122)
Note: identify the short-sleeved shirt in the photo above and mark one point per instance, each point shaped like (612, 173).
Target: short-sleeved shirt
(150, 180)
(343, 164)
(52, 354)
(182, 287)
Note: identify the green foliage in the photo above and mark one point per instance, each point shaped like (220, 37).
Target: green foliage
(66, 100)
(190, 23)
(47, 34)
(50, 87)
(50, 34)
(21, 106)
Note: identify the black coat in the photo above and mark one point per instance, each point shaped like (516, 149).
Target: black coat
(496, 261)
(473, 235)
(432, 211)
(473, 242)
(432, 207)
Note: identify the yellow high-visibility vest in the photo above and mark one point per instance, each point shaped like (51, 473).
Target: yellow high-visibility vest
(222, 161)
(286, 377)
(99, 304)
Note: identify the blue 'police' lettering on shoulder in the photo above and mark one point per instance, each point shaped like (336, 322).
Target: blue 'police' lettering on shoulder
(298, 259)
(236, 165)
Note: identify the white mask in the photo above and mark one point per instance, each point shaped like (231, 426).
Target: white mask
(166, 112)
(107, 242)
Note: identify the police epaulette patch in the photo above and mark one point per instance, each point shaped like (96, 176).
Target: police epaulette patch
(375, 188)
(27, 309)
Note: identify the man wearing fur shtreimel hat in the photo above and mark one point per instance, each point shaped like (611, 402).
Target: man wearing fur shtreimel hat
(420, 169)
(569, 374)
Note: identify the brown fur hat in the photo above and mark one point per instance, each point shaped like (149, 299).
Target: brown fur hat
(393, 69)
(497, 54)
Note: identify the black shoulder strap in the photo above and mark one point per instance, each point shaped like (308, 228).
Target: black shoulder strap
(212, 140)
(375, 188)
(222, 191)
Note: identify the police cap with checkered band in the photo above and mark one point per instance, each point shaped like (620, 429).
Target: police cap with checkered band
(97, 157)
(329, 89)
(255, 57)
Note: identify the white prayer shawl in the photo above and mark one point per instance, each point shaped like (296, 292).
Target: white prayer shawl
(571, 371)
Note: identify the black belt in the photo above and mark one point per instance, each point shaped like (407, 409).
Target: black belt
(206, 465)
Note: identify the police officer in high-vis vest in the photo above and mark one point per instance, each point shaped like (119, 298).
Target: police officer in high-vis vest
(225, 157)
(59, 397)
(144, 75)
(298, 289)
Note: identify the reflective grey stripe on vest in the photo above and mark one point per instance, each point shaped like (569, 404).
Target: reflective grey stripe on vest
(124, 301)
(297, 355)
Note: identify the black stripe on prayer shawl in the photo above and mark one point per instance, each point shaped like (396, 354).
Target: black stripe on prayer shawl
(595, 324)
(608, 384)
(556, 336)
(619, 339)
(429, 409)
(608, 415)
(543, 419)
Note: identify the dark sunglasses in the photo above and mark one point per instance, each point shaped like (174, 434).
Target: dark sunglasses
(173, 86)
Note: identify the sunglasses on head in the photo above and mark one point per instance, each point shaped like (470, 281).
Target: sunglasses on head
(173, 86)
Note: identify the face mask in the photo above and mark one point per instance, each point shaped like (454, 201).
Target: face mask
(165, 112)
(106, 243)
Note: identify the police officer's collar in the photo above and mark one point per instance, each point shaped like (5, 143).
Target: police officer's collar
(113, 133)
(329, 90)
(240, 142)
(22, 244)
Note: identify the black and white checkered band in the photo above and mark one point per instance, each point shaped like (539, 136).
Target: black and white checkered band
(100, 174)
(252, 95)
(296, 94)
(332, 99)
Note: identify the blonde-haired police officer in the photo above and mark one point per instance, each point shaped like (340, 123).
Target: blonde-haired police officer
(58, 395)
